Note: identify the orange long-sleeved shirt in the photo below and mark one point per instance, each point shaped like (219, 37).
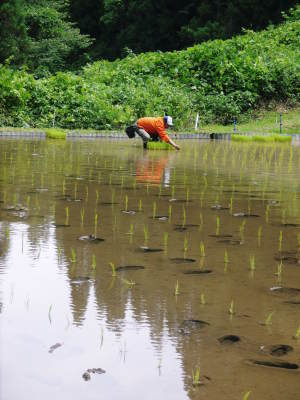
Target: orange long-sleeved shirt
(153, 126)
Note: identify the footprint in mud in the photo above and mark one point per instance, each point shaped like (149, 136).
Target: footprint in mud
(233, 242)
(275, 364)
(198, 272)
(146, 249)
(229, 339)
(128, 212)
(80, 280)
(129, 268)
(87, 374)
(245, 215)
(54, 347)
(160, 218)
(91, 239)
(290, 257)
(191, 325)
(277, 350)
(182, 228)
(182, 260)
(285, 290)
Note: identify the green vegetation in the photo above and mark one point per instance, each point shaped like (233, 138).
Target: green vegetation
(53, 133)
(218, 79)
(261, 138)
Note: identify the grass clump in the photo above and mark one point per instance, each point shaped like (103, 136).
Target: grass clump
(53, 133)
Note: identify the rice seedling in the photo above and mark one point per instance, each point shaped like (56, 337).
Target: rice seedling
(267, 213)
(280, 241)
(97, 195)
(249, 206)
(202, 299)
(7, 234)
(146, 235)
(122, 182)
(201, 221)
(283, 216)
(187, 194)
(81, 216)
(126, 202)
(246, 395)
(64, 187)
(196, 377)
(166, 236)
(231, 308)
(185, 246)
(67, 216)
(297, 335)
(218, 226)
(93, 261)
(113, 269)
(140, 206)
(154, 207)
(231, 205)
(226, 258)
(110, 179)
(173, 191)
(27, 201)
(279, 271)
(259, 233)
(95, 223)
(242, 229)
(202, 249)
(183, 216)
(73, 256)
(177, 288)
(170, 213)
(252, 263)
(86, 194)
(268, 320)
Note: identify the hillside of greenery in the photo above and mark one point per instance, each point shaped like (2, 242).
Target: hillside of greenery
(218, 79)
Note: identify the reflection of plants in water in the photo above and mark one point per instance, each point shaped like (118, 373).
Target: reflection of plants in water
(81, 216)
(283, 216)
(73, 256)
(252, 263)
(166, 236)
(146, 235)
(196, 377)
(231, 205)
(130, 233)
(185, 246)
(202, 249)
(28, 201)
(154, 207)
(201, 221)
(128, 282)
(64, 187)
(183, 216)
(177, 288)
(173, 191)
(7, 234)
(113, 195)
(97, 195)
(259, 233)
(86, 194)
(113, 269)
(280, 241)
(93, 261)
(202, 299)
(67, 216)
(267, 213)
(218, 226)
(187, 194)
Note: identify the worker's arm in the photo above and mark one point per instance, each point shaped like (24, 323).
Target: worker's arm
(174, 144)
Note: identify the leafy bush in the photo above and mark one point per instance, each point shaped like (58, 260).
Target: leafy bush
(219, 79)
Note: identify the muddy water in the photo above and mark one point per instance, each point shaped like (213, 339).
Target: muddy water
(217, 215)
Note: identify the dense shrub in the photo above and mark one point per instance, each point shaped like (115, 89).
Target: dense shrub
(218, 78)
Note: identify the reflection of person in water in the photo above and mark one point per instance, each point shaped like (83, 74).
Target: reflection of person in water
(153, 170)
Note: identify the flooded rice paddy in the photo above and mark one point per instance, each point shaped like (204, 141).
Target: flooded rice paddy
(141, 275)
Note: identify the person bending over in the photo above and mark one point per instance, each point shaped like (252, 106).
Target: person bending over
(154, 128)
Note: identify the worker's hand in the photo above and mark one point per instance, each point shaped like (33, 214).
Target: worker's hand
(176, 147)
